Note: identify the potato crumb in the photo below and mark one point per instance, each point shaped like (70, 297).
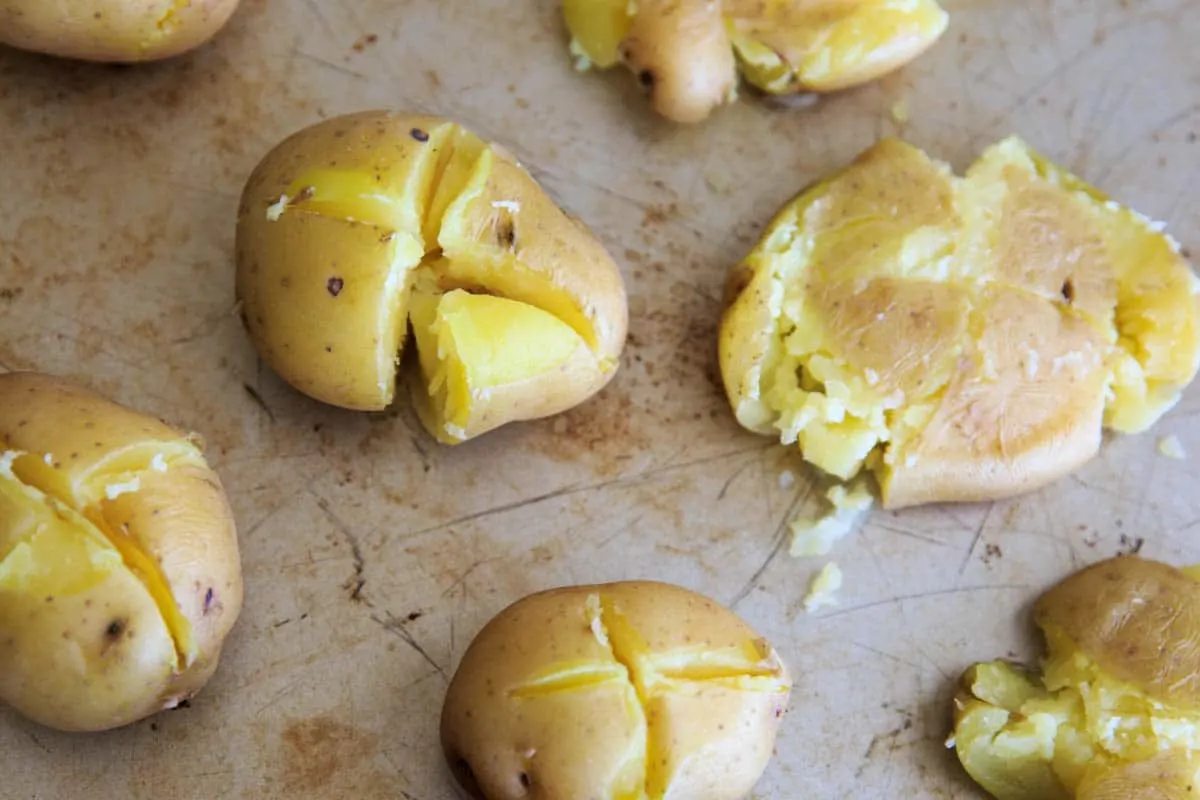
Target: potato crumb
(275, 211)
(816, 537)
(900, 111)
(823, 588)
(582, 60)
(115, 490)
(1171, 447)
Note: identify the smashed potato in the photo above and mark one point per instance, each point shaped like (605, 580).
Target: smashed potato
(962, 338)
(358, 227)
(119, 568)
(687, 53)
(625, 691)
(1115, 711)
(112, 30)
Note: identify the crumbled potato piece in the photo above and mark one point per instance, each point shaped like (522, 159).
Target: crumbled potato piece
(823, 589)
(962, 338)
(1115, 711)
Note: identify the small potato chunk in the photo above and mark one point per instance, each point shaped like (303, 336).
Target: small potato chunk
(112, 30)
(1115, 711)
(687, 53)
(119, 569)
(628, 691)
(359, 227)
(964, 339)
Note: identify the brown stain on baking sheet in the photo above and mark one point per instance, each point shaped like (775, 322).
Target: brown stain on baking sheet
(320, 749)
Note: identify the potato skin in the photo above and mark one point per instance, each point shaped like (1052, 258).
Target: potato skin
(325, 290)
(1139, 620)
(682, 56)
(112, 30)
(86, 643)
(513, 726)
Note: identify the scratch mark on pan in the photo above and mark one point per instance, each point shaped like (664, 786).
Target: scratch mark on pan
(887, 655)
(781, 540)
(732, 478)
(1003, 587)
(910, 535)
(358, 580)
(330, 65)
(568, 491)
(396, 627)
(975, 541)
(37, 742)
(315, 8)
(253, 394)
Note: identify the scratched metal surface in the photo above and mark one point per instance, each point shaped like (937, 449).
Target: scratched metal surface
(117, 196)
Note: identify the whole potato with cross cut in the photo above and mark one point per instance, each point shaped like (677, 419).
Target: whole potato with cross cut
(119, 570)
(359, 227)
(631, 690)
(687, 54)
(112, 30)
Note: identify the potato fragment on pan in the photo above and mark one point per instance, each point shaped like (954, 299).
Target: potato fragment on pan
(631, 690)
(357, 228)
(687, 54)
(1114, 711)
(964, 339)
(119, 568)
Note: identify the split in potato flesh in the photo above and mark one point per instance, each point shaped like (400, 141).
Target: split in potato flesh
(648, 679)
(928, 328)
(483, 321)
(59, 537)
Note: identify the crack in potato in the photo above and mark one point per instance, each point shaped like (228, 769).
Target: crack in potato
(648, 677)
(88, 500)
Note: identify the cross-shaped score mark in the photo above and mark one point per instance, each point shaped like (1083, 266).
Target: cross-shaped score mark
(651, 679)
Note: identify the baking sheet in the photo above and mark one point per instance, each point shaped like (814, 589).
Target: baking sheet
(372, 555)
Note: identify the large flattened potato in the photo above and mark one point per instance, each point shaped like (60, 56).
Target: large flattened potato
(112, 30)
(119, 570)
(357, 228)
(687, 54)
(624, 691)
(1115, 711)
(963, 338)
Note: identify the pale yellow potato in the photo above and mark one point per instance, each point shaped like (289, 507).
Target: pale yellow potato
(356, 228)
(624, 691)
(964, 339)
(119, 570)
(112, 30)
(687, 53)
(1115, 710)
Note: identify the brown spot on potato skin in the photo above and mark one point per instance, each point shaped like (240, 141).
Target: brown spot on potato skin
(335, 286)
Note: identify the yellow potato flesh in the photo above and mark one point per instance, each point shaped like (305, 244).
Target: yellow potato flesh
(470, 345)
(88, 500)
(786, 46)
(917, 324)
(484, 314)
(1020, 740)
